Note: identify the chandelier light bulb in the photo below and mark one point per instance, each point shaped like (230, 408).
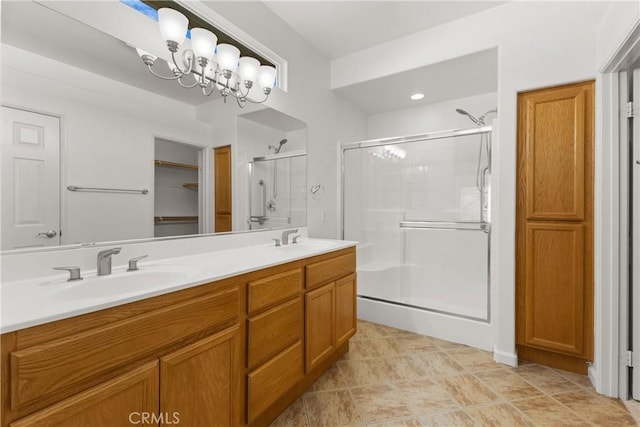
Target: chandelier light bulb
(173, 26)
(203, 43)
(228, 56)
(267, 78)
(248, 69)
(209, 67)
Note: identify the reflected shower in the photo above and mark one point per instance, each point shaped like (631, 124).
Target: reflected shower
(279, 147)
(275, 167)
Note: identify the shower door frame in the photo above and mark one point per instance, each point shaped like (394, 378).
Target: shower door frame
(440, 225)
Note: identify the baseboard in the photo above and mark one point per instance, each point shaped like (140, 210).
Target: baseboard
(505, 358)
(592, 374)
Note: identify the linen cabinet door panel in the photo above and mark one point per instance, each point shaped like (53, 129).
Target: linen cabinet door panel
(555, 142)
(121, 401)
(345, 309)
(202, 383)
(319, 324)
(554, 292)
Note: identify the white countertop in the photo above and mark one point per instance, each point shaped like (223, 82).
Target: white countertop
(32, 302)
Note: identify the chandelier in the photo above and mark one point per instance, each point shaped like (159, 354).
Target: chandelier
(214, 68)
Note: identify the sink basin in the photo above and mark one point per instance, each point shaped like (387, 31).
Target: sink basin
(121, 283)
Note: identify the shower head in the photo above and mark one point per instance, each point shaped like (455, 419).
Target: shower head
(279, 147)
(479, 122)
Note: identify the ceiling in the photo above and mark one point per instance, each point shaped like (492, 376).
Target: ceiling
(338, 28)
(457, 78)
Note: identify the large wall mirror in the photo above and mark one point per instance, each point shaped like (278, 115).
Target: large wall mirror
(95, 148)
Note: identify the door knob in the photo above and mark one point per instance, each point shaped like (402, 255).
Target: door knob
(49, 234)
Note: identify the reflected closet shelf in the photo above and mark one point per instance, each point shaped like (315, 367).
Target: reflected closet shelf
(174, 219)
(175, 165)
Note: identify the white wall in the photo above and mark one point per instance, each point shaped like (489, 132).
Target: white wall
(431, 117)
(539, 44)
(108, 131)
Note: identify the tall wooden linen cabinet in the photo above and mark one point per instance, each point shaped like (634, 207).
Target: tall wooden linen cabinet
(554, 226)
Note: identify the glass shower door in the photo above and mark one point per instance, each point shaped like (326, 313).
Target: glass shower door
(419, 211)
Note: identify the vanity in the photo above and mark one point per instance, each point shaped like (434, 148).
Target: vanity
(230, 345)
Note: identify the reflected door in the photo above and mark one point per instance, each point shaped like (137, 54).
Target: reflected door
(222, 185)
(31, 179)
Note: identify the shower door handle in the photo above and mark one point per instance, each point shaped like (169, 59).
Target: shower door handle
(483, 183)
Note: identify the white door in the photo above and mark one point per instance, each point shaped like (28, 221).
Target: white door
(30, 179)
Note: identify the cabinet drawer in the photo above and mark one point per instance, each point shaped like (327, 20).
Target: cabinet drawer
(63, 366)
(268, 383)
(330, 269)
(274, 289)
(273, 331)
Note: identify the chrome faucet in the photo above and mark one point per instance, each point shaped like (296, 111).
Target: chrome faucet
(286, 234)
(104, 261)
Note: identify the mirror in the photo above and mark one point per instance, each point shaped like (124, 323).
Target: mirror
(97, 149)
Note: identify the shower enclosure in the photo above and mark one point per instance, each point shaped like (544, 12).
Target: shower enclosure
(419, 208)
(277, 190)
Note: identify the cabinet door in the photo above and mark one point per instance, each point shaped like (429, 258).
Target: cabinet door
(554, 227)
(122, 401)
(202, 383)
(319, 324)
(345, 308)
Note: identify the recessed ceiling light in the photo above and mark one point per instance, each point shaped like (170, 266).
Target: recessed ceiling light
(417, 96)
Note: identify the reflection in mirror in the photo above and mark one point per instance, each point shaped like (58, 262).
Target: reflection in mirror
(93, 136)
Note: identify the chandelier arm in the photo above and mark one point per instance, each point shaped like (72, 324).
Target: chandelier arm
(240, 101)
(160, 76)
(257, 102)
(197, 82)
(175, 63)
(208, 90)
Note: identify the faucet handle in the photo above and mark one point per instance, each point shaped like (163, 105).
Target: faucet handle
(133, 262)
(294, 239)
(277, 242)
(74, 272)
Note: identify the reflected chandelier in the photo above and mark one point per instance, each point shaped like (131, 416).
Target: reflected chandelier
(213, 67)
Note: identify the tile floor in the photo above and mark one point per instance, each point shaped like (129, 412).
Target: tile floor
(396, 378)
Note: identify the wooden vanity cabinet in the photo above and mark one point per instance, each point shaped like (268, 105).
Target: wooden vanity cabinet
(179, 353)
(234, 352)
